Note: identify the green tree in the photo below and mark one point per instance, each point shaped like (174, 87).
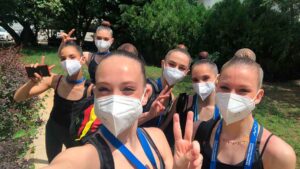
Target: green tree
(162, 24)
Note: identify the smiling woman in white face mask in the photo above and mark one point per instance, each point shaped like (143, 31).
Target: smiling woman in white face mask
(69, 90)
(120, 92)
(237, 141)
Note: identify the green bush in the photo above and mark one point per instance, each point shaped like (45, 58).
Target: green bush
(18, 121)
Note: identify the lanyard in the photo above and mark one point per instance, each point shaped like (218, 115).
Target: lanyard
(160, 88)
(196, 110)
(250, 150)
(159, 84)
(103, 53)
(129, 156)
(75, 81)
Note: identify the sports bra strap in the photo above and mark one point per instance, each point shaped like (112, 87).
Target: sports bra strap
(149, 139)
(265, 146)
(105, 155)
(57, 84)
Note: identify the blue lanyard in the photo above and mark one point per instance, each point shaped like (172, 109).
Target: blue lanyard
(103, 53)
(159, 84)
(75, 81)
(129, 156)
(196, 110)
(250, 150)
(160, 88)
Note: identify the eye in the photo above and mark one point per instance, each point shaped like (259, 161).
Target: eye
(195, 80)
(103, 89)
(172, 65)
(224, 88)
(243, 91)
(205, 78)
(106, 39)
(182, 68)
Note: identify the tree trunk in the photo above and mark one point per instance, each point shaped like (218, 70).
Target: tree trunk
(27, 35)
(12, 32)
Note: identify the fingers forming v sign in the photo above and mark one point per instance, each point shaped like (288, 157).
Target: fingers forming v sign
(186, 153)
(158, 104)
(67, 37)
(38, 77)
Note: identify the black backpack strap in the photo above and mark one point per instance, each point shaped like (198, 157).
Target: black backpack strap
(161, 161)
(105, 155)
(182, 103)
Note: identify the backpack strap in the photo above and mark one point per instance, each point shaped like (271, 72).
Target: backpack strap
(57, 84)
(105, 155)
(182, 103)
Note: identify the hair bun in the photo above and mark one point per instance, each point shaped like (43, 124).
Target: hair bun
(105, 23)
(203, 55)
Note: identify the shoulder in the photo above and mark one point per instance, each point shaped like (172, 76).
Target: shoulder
(70, 159)
(278, 154)
(159, 139)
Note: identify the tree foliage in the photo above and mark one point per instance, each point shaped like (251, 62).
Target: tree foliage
(162, 24)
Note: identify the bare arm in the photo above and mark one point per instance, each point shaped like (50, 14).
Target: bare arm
(35, 86)
(82, 157)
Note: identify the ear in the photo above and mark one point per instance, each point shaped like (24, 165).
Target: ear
(82, 60)
(187, 71)
(259, 96)
(147, 95)
(217, 79)
(162, 64)
(112, 41)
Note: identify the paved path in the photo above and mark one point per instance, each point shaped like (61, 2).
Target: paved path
(37, 153)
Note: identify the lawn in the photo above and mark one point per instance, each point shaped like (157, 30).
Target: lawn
(279, 111)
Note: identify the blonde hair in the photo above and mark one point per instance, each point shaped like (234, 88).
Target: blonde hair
(246, 61)
(245, 52)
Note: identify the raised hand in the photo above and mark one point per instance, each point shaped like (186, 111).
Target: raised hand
(37, 77)
(158, 104)
(67, 37)
(186, 153)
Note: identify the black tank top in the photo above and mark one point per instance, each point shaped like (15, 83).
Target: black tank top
(63, 108)
(203, 135)
(105, 155)
(93, 66)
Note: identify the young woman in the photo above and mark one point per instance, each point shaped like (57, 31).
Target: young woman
(69, 90)
(120, 92)
(103, 40)
(202, 103)
(237, 141)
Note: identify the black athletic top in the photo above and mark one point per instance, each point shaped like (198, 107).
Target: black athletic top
(63, 108)
(203, 135)
(105, 155)
(93, 65)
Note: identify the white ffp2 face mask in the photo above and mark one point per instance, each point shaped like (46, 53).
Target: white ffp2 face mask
(173, 75)
(234, 107)
(71, 66)
(102, 45)
(118, 113)
(204, 89)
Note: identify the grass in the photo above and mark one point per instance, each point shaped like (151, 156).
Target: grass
(279, 111)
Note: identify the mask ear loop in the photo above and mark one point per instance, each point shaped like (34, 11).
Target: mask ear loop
(143, 94)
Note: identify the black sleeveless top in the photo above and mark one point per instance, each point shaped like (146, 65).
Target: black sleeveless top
(203, 135)
(93, 66)
(63, 108)
(105, 155)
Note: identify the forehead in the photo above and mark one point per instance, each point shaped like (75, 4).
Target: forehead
(119, 69)
(203, 69)
(179, 57)
(240, 75)
(103, 33)
(69, 50)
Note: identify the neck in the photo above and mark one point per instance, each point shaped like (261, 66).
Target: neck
(76, 76)
(209, 101)
(129, 136)
(238, 129)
